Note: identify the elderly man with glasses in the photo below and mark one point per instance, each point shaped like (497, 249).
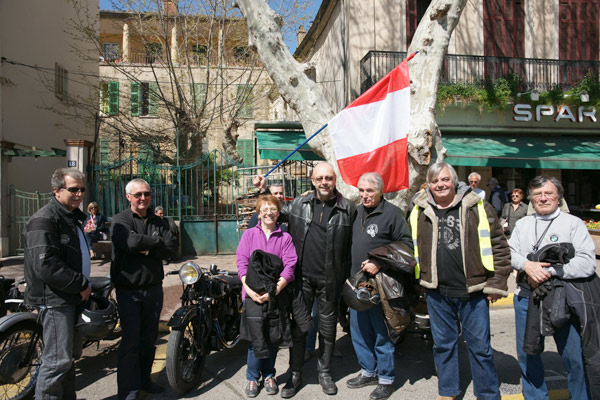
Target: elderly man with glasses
(140, 243)
(57, 271)
(474, 179)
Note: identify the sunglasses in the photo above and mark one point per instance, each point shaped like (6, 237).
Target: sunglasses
(75, 189)
(140, 194)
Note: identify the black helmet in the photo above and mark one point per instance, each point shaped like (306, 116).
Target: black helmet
(97, 319)
(360, 292)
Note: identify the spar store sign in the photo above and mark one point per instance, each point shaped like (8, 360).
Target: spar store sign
(527, 112)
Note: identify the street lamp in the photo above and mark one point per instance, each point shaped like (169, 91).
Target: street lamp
(583, 96)
(533, 94)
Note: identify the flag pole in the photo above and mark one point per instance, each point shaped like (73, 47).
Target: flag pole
(295, 150)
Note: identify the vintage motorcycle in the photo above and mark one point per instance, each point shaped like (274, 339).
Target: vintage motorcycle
(208, 320)
(21, 341)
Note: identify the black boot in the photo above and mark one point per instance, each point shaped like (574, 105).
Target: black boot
(327, 384)
(292, 385)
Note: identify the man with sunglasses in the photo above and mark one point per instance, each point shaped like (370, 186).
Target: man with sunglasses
(140, 244)
(57, 271)
(377, 223)
(320, 224)
(474, 179)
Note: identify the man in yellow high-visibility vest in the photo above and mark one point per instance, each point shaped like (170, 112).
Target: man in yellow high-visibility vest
(464, 263)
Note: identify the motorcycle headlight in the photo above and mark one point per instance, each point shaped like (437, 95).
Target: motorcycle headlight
(189, 273)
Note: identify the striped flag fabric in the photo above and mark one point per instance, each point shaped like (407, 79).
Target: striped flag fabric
(371, 134)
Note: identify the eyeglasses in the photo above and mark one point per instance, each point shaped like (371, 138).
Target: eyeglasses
(75, 189)
(93, 208)
(473, 181)
(140, 194)
(269, 210)
(548, 195)
(327, 178)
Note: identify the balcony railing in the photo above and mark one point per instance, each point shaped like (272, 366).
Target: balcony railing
(538, 74)
(192, 59)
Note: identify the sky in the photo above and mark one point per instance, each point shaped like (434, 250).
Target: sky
(291, 42)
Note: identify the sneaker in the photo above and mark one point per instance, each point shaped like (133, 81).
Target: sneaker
(271, 385)
(361, 381)
(251, 389)
(382, 392)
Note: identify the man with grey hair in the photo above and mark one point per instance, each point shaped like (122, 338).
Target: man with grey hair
(549, 225)
(464, 263)
(474, 179)
(140, 243)
(377, 224)
(57, 272)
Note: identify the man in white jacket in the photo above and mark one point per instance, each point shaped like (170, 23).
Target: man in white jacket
(549, 225)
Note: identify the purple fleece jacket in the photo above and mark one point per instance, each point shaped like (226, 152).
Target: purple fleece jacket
(279, 243)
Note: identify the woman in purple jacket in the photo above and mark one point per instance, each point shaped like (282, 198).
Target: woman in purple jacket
(268, 237)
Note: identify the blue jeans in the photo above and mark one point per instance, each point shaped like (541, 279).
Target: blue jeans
(372, 344)
(139, 313)
(265, 367)
(56, 379)
(445, 313)
(568, 343)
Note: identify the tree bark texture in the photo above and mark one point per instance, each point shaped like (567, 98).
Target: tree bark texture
(306, 98)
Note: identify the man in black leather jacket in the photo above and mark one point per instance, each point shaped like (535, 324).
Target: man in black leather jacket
(57, 271)
(321, 227)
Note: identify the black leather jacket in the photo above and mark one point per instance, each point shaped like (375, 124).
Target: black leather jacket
(299, 214)
(53, 256)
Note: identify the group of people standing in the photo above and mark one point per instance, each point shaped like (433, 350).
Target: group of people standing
(57, 271)
(463, 260)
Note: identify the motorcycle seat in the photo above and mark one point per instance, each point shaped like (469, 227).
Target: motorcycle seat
(100, 283)
(233, 281)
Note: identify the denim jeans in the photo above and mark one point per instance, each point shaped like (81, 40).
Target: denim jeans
(372, 344)
(139, 313)
(568, 344)
(445, 313)
(56, 378)
(265, 367)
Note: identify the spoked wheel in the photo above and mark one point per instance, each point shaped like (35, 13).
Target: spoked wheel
(185, 362)
(18, 375)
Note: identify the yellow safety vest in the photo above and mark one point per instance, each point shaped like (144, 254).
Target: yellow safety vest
(483, 231)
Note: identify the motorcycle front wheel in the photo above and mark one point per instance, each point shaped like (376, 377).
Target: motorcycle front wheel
(18, 376)
(184, 363)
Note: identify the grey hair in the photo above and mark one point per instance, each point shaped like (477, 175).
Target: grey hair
(158, 208)
(541, 180)
(472, 174)
(58, 176)
(136, 181)
(276, 184)
(374, 178)
(435, 169)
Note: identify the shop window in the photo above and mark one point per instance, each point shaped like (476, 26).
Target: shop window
(110, 51)
(245, 101)
(109, 98)
(153, 52)
(144, 99)
(198, 91)
(61, 82)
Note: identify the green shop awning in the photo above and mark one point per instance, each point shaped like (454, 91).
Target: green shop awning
(276, 144)
(523, 151)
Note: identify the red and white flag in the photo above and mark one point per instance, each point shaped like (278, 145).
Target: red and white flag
(371, 134)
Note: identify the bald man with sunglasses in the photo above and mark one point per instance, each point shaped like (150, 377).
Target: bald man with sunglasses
(140, 244)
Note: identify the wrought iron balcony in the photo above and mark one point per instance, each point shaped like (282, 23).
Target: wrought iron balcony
(538, 74)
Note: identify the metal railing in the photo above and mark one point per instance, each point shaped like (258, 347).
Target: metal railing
(21, 206)
(536, 73)
(192, 59)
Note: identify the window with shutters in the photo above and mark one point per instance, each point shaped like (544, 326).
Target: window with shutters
(144, 99)
(504, 28)
(245, 101)
(245, 148)
(198, 91)
(578, 29)
(61, 82)
(104, 151)
(109, 98)
(415, 10)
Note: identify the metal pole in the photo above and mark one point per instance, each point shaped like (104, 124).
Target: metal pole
(178, 177)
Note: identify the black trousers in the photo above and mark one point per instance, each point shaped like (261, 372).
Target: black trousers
(139, 313)
(314, 290)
